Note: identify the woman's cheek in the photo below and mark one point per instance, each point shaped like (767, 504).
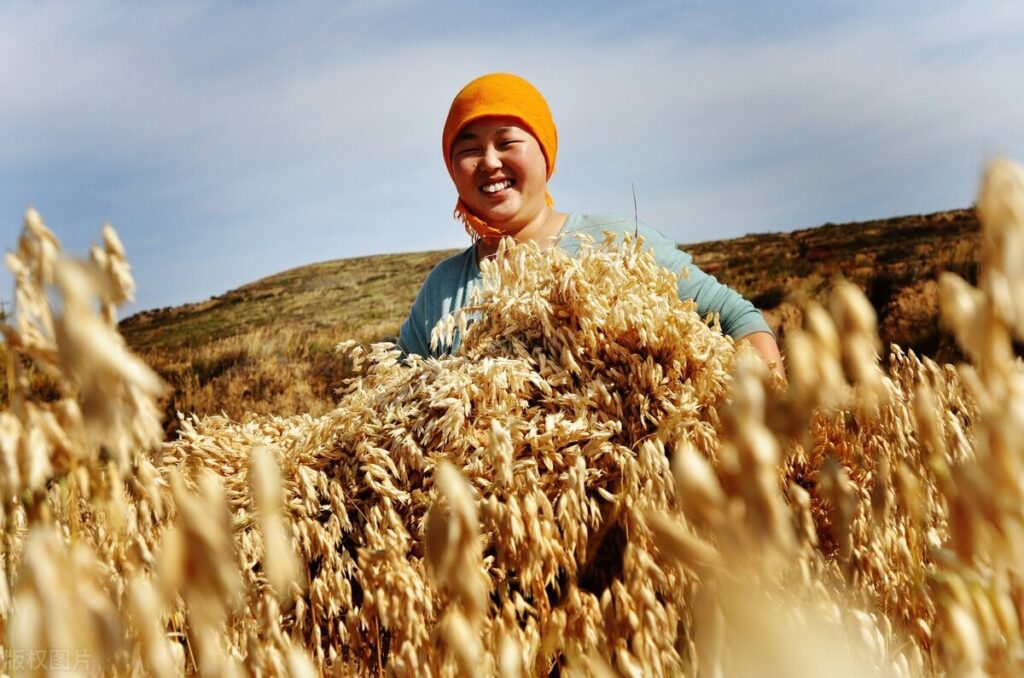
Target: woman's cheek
(464, 173)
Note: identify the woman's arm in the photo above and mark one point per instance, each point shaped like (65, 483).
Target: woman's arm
(764, 344)
(737, 315)
(739, 318)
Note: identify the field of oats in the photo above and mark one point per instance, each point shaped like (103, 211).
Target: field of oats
(599, 483)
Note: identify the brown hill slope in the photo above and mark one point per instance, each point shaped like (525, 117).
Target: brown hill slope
(268, 346)
(895, 261)
(363, 298)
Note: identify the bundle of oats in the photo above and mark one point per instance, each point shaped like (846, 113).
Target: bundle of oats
(554, 412)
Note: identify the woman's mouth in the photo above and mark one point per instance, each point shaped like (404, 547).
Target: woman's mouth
(497, 186)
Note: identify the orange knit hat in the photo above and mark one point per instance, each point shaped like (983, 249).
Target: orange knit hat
(501, 94)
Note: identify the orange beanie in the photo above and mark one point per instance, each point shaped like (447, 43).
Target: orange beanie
(501, 94)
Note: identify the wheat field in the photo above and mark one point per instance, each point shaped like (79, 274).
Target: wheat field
(598, 483)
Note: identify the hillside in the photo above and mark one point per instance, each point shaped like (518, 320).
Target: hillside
(269, 346)
(363, 297)
(895, 261)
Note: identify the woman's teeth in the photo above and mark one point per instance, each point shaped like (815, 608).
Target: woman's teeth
(495, 187)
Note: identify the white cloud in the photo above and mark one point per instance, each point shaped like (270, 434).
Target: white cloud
(265, 138)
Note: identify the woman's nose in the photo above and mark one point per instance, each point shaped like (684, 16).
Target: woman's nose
(490, 159)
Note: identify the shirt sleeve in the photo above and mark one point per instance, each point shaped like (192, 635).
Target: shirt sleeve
(737, 315)
(413, 337)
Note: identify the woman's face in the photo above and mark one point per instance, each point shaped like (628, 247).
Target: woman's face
(500, 172)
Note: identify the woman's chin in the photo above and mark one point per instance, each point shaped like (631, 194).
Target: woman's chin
(501, 211)
(500, 220)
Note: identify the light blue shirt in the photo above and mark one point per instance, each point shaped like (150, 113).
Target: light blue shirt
(448, 287)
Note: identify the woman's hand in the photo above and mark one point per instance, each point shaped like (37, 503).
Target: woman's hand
(764, 344)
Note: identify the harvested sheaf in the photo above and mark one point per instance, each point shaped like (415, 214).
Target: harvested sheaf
(556, 416)
(597, 481)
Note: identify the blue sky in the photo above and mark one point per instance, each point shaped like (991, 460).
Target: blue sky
(229, 141)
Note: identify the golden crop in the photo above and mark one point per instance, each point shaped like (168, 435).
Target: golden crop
(598, 481)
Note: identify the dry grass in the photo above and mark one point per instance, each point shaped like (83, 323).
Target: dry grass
(597, 482)
(266, 371)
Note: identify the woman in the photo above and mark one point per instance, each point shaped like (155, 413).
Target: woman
(499, 144)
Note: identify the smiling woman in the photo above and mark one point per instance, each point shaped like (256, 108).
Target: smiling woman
(499, 144)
